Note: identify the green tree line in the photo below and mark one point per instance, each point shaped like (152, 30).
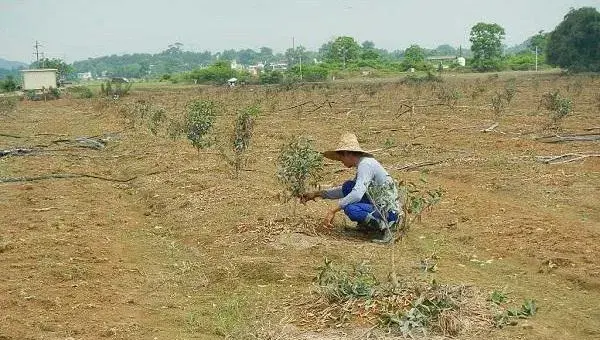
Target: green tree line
(573, 45)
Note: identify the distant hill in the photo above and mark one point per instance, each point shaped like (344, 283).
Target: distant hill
(9, 65)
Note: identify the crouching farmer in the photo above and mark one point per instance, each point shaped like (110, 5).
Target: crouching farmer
(370, 199)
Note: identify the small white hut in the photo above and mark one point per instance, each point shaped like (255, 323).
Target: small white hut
(231, 82)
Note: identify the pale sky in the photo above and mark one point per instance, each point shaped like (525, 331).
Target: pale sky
(78, 29)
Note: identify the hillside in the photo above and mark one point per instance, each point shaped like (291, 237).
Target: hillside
(9, 64)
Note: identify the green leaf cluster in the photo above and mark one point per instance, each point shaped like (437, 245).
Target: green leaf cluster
(201, 115)
(9, 84)
(511, 315)
(557, 105)
(339, 285)
(242, 133)
(299, 166)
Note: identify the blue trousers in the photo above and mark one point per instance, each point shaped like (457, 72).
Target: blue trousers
(358, 212)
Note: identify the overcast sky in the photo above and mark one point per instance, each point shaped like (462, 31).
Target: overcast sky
(78, 29)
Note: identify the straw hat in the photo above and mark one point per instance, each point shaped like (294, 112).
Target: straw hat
(348, 142)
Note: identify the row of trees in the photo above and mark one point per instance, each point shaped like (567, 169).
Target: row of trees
(342, 50)
(572, 45)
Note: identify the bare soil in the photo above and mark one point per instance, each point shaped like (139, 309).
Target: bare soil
(187, 250)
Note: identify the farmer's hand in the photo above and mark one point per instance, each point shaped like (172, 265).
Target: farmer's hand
(328, 222)
(308, 196)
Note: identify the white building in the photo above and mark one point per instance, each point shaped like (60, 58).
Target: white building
(39, 79)
(236, 66)
(279, 66)
(85, 76)
(255, 70)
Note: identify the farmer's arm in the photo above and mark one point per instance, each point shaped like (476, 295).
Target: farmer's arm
(364, 176)
(333, 193)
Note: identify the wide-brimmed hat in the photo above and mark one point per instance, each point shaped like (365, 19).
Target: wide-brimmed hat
(348, 142)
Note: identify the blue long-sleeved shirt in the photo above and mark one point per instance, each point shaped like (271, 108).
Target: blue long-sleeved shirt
(368, 171)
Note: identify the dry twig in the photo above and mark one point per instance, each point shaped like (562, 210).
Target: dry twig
(569, 138)
(566, 158)
(9, 135)
(70, 175)
(414, 166)
(15, 152)
(491, 128)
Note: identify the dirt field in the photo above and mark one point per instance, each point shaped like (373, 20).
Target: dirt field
(185, 250)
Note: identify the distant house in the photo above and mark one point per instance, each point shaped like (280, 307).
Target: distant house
(85, 76)
(119, 80)
(39, 79)
(236, 66)
(445, 60)
(279, 66)
(255, 70)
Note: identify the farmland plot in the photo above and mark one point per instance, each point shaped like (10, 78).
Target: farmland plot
(113, 225)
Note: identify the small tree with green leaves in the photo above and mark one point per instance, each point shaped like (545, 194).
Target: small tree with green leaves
(557, 106)
(244, 126)
(510, 90)
(157, 117)
(80, 92)
(200, 117)
(501, 100)
(499, 103)
(448, 95)
(115, 89)
(299, 166)
(416, 201)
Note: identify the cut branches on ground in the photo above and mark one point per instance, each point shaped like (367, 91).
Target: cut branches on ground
(16, 152)
(71, 175)
(569, 138)
(490, 128)
(405, 307)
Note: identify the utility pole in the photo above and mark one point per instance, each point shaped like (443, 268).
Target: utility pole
(299, 56)
(293, 51)
(300, 67)
(37, 52)
(536, 58)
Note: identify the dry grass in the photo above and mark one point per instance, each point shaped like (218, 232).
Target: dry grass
(8, 105)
